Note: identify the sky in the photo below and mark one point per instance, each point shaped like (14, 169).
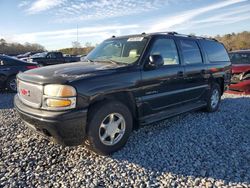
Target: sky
(53, 23)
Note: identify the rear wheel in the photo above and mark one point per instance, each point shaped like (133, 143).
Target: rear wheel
(11, 84)
(109, 126)
(213, 98)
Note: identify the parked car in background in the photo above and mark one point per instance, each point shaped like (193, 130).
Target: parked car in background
(9, 68)
(51, 58)
(26, 56)
(71, 58)
(138, 78)
(240, 81)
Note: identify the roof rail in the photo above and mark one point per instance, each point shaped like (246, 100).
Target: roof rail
(184, 35)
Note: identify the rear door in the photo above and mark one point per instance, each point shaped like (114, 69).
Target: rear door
(196, 73)
(162, 86)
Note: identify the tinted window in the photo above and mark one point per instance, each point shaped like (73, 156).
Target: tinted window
(51, 55)
(215, 51)
(191, 52)
(58, 55)
(167, 49)
(240, 58)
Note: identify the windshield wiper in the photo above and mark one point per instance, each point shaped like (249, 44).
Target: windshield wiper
(109, 60)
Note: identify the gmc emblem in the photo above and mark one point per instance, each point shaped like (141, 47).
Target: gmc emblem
(25, 92)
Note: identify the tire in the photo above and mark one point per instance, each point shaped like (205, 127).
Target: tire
(213, 98)
(102, 121)
(11, 84)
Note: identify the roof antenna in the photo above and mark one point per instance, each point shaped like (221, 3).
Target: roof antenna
(77, 39)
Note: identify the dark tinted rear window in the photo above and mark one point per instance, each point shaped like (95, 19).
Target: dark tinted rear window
(215, 51)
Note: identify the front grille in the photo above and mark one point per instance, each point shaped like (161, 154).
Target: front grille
(30, 94)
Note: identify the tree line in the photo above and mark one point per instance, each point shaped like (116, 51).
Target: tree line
(77, 49)
(233, 41)
(17, 48)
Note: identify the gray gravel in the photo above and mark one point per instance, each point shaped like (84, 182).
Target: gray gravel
(193, 150)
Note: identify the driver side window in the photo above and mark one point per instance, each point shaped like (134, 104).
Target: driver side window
(167, 49)
(51, 56)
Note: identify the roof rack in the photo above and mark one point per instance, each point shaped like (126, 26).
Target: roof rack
(182, 35)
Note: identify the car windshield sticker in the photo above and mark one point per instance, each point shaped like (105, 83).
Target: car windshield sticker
(134, 39)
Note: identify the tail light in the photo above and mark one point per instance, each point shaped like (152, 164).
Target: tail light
(31, 67)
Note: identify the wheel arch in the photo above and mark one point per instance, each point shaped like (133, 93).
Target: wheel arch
(220, 81)
(125, 98)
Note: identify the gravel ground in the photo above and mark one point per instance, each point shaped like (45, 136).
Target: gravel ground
(193, 149)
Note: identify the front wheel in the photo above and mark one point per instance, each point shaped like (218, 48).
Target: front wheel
(109, 126)
(213, 98)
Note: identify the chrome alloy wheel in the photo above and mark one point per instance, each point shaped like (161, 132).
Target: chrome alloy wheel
(112, 129)
(215, 98)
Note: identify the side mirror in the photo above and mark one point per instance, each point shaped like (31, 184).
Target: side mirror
(155, 61)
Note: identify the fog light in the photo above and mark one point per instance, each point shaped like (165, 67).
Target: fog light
(58, 102)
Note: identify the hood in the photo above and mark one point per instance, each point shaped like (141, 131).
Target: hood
(68, 72)
(238, 68)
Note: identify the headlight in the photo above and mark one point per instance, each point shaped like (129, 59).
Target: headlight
(59, 97)
(55, 90)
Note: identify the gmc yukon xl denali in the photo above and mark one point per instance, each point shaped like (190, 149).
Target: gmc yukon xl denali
(124, 83)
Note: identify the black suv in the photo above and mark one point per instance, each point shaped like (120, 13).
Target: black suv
(124, 83)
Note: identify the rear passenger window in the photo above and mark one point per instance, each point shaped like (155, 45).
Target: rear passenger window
(191, 52)
(167, 49)
(215, 51)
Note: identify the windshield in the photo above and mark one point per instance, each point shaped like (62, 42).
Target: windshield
(121, 50)
(240, 58)
(39, 55)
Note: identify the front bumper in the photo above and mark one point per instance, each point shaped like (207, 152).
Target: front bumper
(243, 86)
(66, 128)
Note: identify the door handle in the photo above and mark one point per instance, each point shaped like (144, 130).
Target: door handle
(180, 74)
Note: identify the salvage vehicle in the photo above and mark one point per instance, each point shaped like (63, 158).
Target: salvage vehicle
(127, 82)
(51, 58)
(240, 82)
(9, 68)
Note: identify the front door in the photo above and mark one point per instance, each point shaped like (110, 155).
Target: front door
(162, 86)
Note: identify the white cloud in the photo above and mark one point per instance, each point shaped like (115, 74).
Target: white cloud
(98, 32)
(77, 10)
(173, 21)
(23, 3)
(221, 17)
(42, 5)
(99, 9)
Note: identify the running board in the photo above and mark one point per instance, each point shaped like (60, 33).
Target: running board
(172, 112)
